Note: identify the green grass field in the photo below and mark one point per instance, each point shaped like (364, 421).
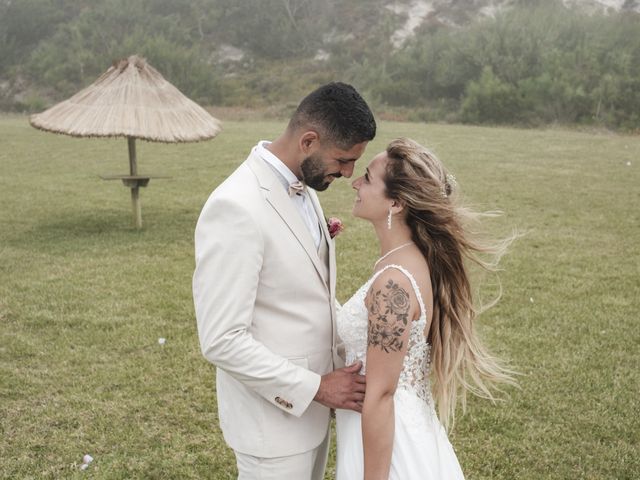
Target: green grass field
(84, 299)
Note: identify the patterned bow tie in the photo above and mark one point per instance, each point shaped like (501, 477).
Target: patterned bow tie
(296, 188)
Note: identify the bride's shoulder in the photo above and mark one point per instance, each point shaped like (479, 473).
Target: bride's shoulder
(395, 273)
(392, 290)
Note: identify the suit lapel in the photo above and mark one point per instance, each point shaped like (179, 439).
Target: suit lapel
(325, 238)
(332, 261)
(277, 197)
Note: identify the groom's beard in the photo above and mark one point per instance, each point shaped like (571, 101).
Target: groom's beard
(314, 173)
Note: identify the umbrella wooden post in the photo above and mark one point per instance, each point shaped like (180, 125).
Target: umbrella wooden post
(135, 191)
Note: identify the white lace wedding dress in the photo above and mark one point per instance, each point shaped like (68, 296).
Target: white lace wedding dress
(421, 449)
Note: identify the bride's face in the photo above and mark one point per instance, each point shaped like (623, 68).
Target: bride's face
(371, 202)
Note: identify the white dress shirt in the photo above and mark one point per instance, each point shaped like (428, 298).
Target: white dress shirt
(300, 200)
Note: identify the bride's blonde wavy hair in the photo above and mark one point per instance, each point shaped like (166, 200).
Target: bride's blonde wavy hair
(442, 229)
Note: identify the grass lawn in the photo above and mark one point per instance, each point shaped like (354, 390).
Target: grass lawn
(84, 299)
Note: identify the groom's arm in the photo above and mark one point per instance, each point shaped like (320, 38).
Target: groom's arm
(229, 257)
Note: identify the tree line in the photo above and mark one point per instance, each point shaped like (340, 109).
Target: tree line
(534, 63)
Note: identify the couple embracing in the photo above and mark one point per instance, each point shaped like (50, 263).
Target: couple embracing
(393, 360)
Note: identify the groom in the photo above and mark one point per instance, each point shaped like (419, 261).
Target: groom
(264, 290)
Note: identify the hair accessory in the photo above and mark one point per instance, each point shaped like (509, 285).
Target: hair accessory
(389, 220)
(449, 184)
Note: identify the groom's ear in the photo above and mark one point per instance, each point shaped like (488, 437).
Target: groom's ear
(309, 141)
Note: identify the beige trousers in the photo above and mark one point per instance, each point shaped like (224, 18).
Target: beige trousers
(304, 466)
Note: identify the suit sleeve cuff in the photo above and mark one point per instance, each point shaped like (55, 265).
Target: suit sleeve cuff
(298, 400)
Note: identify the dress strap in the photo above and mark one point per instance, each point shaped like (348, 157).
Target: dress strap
(414, 284)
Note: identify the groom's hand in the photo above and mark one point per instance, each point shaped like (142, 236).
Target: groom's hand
(343, 388)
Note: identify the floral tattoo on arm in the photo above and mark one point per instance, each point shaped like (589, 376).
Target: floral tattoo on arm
(388, 317)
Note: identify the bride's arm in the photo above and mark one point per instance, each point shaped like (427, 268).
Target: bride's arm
(391, 309)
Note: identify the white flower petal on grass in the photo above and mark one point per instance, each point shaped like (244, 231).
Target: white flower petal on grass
(162, 341)
(628, 164)
(84, 466)
(87, 459)
(531, 299)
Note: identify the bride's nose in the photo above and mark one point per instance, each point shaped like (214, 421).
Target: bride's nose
(356, 183)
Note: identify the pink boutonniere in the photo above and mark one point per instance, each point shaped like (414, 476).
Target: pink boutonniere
(335, 226)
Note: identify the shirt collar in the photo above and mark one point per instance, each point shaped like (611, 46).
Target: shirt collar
(275, 162)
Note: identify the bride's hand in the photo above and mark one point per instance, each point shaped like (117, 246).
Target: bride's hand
(343, 388)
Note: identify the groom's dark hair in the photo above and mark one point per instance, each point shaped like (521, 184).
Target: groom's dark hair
(339, 114)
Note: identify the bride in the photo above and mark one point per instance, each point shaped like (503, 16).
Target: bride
(411, 323)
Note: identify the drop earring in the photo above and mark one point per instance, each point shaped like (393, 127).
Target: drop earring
(389, 220)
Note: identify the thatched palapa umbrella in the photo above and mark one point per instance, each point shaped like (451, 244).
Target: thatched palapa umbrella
(131, 99)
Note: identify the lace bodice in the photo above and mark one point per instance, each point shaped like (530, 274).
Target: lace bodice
(353, 320)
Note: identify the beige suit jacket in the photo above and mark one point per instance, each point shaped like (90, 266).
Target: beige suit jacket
(266, 313)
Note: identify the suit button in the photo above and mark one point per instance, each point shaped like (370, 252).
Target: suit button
(282, 402)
